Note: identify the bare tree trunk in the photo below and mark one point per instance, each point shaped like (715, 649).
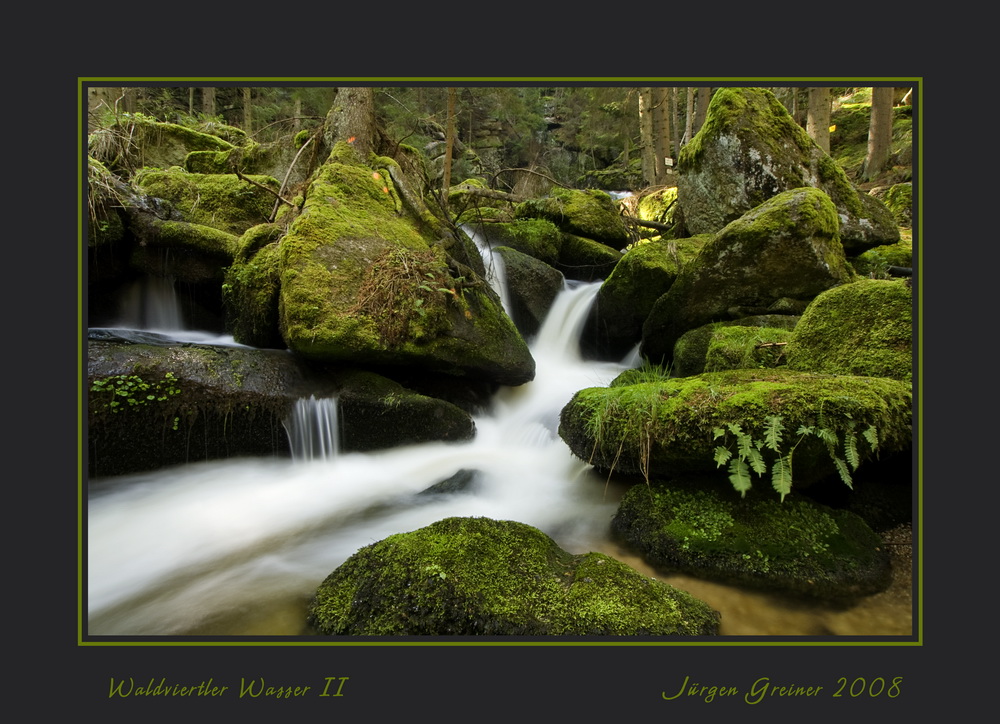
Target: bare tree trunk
(689, 117)
(704, 98)
(208, 101)
(648, 148)
(879, 133)
(661, 131)
(818, 119)
(675, 122)
(449, 145)
(247, 110)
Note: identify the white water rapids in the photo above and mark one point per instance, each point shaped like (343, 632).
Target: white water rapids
(181, 550)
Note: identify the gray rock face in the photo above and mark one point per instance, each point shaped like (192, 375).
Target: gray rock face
(786, 248)
(749, 150)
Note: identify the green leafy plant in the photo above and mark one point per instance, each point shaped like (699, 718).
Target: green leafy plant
(125, 391)
(745, 456)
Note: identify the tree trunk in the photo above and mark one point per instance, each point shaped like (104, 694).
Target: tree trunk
(352, 120)
(879, 133)
(704, 98)
(648, 146)
(818, 119)
(448, 146)
(689, 117)
(247, 110)
(661, 132)
(208, 101)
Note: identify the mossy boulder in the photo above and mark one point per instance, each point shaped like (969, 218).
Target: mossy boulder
(863, 328)
(588, 213)
(795, 547)
(691, 351)
(668, 427)
(644, 274)
(876, 262)
(155, 144)
(221, 201)
(150, 399)
(363, 283)
(576, 257)
(783, 251)
(749, 150)
(484, 577)
(533, 286)
(898, 198)
(186, 252)
(377, 413)
(252, 288)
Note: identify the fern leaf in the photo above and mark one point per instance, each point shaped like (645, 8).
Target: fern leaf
(845, 474)
(744, 444)
(781, 475)
(722, 455)
(827, 436)
(851, 449)
(735, 428)
(756, 461)
(717, 432)
(739, 476)
(805, 430)
(772, 432)
(871, 435)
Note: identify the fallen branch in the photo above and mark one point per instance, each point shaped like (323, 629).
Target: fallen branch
(274, 193)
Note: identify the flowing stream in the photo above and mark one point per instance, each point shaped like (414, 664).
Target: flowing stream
(237, 547)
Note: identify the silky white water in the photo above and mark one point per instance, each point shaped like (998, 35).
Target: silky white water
(180, 550)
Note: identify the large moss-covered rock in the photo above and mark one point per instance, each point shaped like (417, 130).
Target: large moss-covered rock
(692, 350)
(150, 400)
(576, 257)
(478, 576)
(533, 285)
(785, 250)
(221, 201)
(864, 328)
(667, 427)
(795, 546)
(364, 283)
(644, 274)
(591, 214)
(749, 150)
(252, 288)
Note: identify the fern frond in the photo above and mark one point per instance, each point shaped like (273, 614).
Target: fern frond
(827, 436)
(845, 474)
(722, 455)
(735, 428)
(739, 476)
(744, 444)
(717, 432)
(772, 432)
(851, 449)
(756, 461)
(805, 430)
(871, 435)
(781, 475)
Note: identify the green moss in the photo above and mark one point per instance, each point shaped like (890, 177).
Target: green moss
(221, 201)
(795, 546)
(476, 576)
(667, 427)
(863, 328)
(746, 347)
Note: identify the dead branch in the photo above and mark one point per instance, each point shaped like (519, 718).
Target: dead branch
(250, 181)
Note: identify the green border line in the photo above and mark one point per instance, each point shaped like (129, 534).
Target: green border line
(916, 639)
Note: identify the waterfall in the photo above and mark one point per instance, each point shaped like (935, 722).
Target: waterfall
(151, 303)
(313, 429)
(193, 549)
(496, 272)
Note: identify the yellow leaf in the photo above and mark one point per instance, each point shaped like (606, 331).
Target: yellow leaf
(833, 128)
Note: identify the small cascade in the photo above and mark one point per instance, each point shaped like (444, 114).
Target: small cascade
(496, 272)
(313, 429)
(151, 303)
